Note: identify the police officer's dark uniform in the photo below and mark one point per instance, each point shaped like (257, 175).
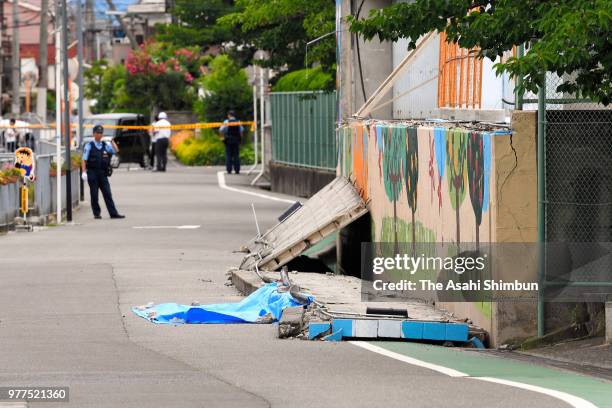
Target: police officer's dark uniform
(232, 138)
(96, 162)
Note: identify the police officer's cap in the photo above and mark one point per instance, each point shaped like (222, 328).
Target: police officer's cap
(98, 129)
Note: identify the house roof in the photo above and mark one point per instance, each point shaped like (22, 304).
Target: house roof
(33, 51)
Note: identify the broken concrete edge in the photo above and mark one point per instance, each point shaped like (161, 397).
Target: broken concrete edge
(246, 282)
(292, 322)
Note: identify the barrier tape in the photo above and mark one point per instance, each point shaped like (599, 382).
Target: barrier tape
(187, 126)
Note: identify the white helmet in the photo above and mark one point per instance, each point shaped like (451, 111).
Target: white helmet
(162, 115)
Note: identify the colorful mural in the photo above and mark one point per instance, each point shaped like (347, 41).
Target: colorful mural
(457, 162)
(435, 183)
(456, 147)
(412, 175)
(393, 164)
(475, 167)
(440, 149)
(360, 136)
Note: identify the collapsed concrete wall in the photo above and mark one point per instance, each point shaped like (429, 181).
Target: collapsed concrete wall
(437, 183)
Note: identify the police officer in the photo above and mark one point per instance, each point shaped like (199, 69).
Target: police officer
(162, 135)
(232, 136)
(95, 163)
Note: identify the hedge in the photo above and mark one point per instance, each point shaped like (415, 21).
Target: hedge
(208, 150)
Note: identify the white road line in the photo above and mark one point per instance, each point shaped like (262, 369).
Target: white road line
(563, 396)
(181, 227)
(221, 181)
(572, 400)
(397, 356)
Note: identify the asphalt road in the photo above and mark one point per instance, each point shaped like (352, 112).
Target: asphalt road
(66, 295)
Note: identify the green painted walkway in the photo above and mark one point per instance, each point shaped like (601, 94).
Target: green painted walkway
(475, 364)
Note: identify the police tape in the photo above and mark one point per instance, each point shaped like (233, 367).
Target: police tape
(186, 126)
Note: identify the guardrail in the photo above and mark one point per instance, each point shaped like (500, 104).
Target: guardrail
(43, 199)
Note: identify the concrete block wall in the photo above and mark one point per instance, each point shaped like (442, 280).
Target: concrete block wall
(609, 322)
(298, 181)
(425, 210)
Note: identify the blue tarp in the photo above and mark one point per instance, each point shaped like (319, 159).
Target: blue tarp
(266, 300)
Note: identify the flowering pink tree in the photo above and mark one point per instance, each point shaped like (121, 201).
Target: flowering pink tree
(160, 76)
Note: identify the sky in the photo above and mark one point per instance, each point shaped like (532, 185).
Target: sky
(101, 6)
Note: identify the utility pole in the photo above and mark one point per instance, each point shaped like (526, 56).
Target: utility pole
(90, 33)
(127, 30)
(66, 110)
(41, 96)
(2, 27)
(79, 38)
(58, 113)
(15, 61)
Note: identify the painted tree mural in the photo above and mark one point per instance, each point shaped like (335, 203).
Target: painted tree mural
(360, 159)
(346, 154)
(456, 149)
(412, 175)
(430, 167)
(377, 129)
(440, 147)
(393, 162)
(476, 181)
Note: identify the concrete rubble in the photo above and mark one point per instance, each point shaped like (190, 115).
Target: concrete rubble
(338, 297)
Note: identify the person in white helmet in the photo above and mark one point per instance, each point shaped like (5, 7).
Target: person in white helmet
(161, 136)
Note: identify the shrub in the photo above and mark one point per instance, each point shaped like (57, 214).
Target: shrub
(208, 150)
(309, 79)
(177, 138)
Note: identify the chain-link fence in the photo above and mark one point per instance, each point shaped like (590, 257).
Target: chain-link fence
(578, 166)
(577, 197)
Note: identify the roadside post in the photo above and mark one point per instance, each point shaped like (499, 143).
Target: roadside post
(26, 163)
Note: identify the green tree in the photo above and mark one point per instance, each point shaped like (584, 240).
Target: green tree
(106, 85)
(568, 37)
(198, 24)
(309, 79)
(93, 79)
(283, 27)
(226, 88)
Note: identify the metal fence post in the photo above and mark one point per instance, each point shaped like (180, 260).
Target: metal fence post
(518, 96)
(541, 204)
